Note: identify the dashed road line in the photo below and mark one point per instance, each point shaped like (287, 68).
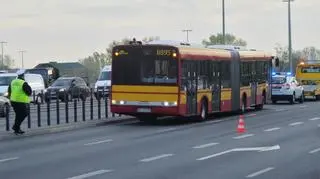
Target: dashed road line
(205, 145)
(215, 121)
(8, 159)
(251, 115)
(272, 129)
(303, 106)
(314, 119)
(156, 157)
(98, 142)
(166, 130)
(295, 123)
(214, 155)
(243, 136)
(314, 151)
(91, 174)
(260, 172)
(279, 110)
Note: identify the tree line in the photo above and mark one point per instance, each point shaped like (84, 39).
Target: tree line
(97, 60)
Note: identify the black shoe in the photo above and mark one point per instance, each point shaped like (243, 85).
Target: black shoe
(20, 131)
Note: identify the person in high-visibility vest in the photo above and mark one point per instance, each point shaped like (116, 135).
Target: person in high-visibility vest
(19, 92)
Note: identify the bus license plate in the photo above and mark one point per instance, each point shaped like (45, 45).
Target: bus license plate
(144, 110)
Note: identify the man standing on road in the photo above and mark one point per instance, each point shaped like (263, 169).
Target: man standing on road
(19, 92)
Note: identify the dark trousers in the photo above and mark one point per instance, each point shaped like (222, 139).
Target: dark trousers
(21, 111)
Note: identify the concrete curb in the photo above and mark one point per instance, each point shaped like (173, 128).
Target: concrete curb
(7, 135)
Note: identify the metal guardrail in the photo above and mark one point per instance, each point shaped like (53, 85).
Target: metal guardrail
(51, 111)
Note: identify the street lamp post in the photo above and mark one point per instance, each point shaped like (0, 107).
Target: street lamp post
(289, 34)
(223, 23)
(2, 54)
(187, 32)
(22, 63)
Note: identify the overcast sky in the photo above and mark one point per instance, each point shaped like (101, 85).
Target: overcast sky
(67, 30)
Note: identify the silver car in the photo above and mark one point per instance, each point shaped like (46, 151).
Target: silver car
(4, 103)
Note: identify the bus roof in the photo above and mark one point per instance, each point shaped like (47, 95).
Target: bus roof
(221, 51)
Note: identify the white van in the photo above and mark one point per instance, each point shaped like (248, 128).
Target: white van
(35, 81)
(103, 83)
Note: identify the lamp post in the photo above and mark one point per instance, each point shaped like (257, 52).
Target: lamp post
(289, 34)
(187, 32)
(2, 54)
(223, 23)
(22, 52)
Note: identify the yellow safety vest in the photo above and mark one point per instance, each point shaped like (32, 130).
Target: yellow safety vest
(17, 92)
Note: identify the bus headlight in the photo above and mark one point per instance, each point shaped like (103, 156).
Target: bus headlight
(167, 104)
(118, 102)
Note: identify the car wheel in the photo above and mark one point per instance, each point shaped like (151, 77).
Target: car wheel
(301, 99)
(293, 99)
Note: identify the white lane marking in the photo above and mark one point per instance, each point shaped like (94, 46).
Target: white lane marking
(295, 123)
(214, 121)
(99, 142)
(205, 145)
(314, 119)
(90, 174)
(8, 159)
(303, 106)
(260, 172)
(314, 151)
(166, 130)
(272, 129)
(258, 149)
(156, 157)
(243, 136)
(215, 155)
(278, 110)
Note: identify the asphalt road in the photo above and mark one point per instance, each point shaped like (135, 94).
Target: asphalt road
(281, 141)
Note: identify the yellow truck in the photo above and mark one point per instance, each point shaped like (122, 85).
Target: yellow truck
(308, 74)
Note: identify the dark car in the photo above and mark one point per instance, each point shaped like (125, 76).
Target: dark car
(67, 88)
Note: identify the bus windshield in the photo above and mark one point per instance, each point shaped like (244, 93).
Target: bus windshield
(310, 69)
(140, 69)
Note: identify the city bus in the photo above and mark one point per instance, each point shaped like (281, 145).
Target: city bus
(163, 79)
(308, 74)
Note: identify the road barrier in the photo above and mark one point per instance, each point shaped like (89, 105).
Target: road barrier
(49, 111)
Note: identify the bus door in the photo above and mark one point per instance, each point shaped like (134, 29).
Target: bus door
(191, 86)
(253, 85)
(216, 86)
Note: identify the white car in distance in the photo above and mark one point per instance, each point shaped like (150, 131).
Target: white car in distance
(284, 87)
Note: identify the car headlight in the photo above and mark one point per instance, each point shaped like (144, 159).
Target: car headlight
(61, 90)
(6, 94)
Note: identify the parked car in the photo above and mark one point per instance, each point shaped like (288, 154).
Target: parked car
(35, 81)
(67, 88)
(103, 84)
(4, 103)
(286, 88)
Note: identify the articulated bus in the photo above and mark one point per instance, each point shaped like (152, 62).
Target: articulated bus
(177, 79)
(308, 74)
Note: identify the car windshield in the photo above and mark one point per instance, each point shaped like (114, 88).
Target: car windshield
(62, 82)
(105, 75)
(6, 80)
(278, 80)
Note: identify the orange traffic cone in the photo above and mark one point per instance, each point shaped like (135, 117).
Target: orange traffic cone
(241, 128)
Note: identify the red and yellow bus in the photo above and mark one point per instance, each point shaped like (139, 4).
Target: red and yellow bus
(156, 80)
